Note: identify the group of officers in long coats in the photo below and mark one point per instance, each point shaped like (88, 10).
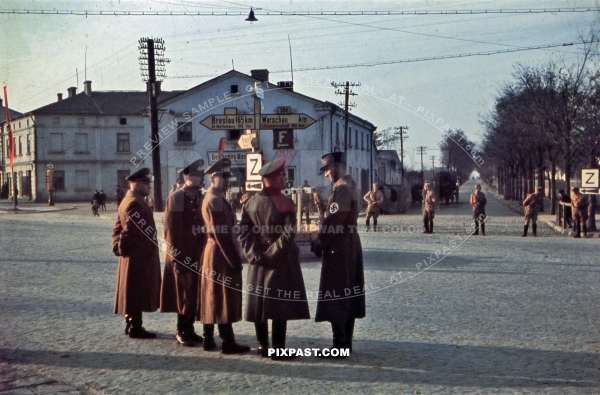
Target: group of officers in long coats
(202, 277)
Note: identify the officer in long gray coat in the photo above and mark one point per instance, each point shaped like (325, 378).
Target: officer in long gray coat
(275, 287)
(138, 276)
(221, 284)
(185, 241)
(341, 297)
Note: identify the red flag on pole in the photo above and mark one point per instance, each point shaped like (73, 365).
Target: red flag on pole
(222, 146)
(11, 145)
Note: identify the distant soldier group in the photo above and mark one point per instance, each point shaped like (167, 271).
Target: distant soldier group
(202, 278)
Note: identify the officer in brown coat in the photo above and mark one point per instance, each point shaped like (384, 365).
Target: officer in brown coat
(341, 297)
(580, 205)
(429, 201)
(138, 276)
(373, 198)
(532, 204)
(221, 284)
(478, 202)
(185, 241)
(275, 287)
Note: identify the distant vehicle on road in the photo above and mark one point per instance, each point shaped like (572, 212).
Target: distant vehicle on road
(446, 186)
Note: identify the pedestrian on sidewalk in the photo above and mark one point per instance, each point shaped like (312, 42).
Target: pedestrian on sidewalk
(564, 198)
(338, 242)
(95, 207)
(373, 198)
(428, 208)
(478, 202)
(138, 275)
(305, 202)
(185, 240)
(274, 260)
(532, 205)
(580, 205)
(221, 285)
(102, 201)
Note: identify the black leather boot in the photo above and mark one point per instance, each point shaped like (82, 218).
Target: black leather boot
(183, 332)
(262, 336)
(228, 344)
(584, 226)
(577, 231)
(426, 226)
(534, 229)
(483, 229)
(137, 331)
(339, 341)
(278, 330)
(431, 226)
(525, 229)
(208, 331)
(196, 338)
(127, 324)
(476, 228)
(349, 332)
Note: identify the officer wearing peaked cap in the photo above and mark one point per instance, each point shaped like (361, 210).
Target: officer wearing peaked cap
(221, 284)
(185, 242)
(138, 276)
(274, 282)
(342, 268)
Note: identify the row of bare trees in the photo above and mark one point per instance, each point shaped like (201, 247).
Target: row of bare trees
(545, 120)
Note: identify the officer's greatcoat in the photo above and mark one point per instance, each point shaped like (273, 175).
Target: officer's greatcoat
(341, 289)
(478, 202)
(138, 276)
(185, 241)
(221, 289)
(275, 287)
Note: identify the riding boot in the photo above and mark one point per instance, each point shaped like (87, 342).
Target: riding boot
(534, 228)
(228, 344)
(426, 225)
(374, 225)
(262, 336)
(192, 332)
(584, 225)
(278, 330)
(476, 228)
(577, 230)
(431, 226)
(183, 333)
(349, 332)
(482, 229)
(525, 229)
(339, 341)
(137, 331)
(208, 331)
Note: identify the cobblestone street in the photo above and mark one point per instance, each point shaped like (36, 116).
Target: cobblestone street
(447, 313)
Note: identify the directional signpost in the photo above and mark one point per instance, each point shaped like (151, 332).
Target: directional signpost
(267, 121)
(245, 141)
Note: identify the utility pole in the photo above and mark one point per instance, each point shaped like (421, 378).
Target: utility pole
(432, 166)
(421, 150)
(401, 129)
(152, 65)
(347, 93)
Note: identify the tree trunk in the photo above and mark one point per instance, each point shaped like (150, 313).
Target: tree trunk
(553, 187)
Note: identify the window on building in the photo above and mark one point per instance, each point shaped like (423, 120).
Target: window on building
(362, 141)
(123, 142)
(59, 180)
(122, 179)
(349, 137)
(28, 144)
(55, 121)
(28, 122)
(234, 134)
(81, 142)
(20, 147)
(7, 148)
(290, 175)
(184, 131)
(82, 180)
(19, 124)
(233, 88)
(368, 142)
(356, 138)
(122, 121)
(337, 132)
(56, 142)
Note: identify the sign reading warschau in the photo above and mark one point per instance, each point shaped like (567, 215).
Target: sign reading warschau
(267, 121)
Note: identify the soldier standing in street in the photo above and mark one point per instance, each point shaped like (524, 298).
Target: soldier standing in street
(342, 282)
(428, 208)
(373, 198)
(185, 243)
(274, 282)
(532, 204)
(580, 205)
(478, 202)
(305, 202)
(138, 276)
(221, 285)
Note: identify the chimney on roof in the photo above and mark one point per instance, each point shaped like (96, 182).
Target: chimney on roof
(287, 85)
(59, 96)
(72, 91)
(261, 75)
(87, 87)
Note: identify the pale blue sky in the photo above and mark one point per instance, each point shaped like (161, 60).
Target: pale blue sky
(39, 54)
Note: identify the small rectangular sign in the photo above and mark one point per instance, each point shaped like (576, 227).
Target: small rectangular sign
(590, 178)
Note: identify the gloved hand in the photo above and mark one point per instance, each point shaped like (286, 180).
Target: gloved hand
(316, 248)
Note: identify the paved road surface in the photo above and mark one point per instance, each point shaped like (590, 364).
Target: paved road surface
(446, 313)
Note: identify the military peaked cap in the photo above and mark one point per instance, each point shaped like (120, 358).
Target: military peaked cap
(330, 159)
(220, 167)
(274, 168)
(142, 175)
(194, 169)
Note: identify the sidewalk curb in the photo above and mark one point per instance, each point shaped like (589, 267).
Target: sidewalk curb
(34, 211)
